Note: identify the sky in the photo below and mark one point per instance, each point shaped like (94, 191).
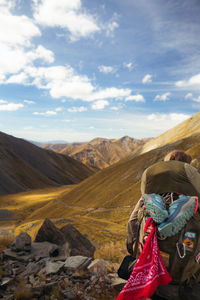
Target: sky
(74, 70)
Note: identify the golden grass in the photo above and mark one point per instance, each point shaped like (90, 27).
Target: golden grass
(23, 204)
(22, 292)
(6, 241)
(112, 251)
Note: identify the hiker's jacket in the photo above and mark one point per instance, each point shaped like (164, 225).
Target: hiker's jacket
(163, 177)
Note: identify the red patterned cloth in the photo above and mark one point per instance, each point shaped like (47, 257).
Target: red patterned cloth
(149, 271)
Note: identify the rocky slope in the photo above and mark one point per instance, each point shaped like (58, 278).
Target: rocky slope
(50, 269)
(25, 166)
(99, 153)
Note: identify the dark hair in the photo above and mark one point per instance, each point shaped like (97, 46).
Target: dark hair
(178, 155)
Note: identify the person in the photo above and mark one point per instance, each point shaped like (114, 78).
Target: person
(178, 155)
(169, 178)
(170, 189)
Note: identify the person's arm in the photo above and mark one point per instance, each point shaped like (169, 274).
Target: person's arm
(133, 227)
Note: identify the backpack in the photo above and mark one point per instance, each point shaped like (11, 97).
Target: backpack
(180, 253)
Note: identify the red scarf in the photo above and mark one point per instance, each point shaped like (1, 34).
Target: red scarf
(149, 271)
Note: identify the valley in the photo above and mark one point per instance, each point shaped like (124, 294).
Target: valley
(100, 205)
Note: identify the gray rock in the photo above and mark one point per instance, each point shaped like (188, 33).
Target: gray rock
(5, 281)
(22, 242)
(53, 267)
(116, 282)
(79, 244)
(44, 249)
(77, 262)
(64, 252)
(33, 268)
(38, 251)
(99, 266)
(48, 232)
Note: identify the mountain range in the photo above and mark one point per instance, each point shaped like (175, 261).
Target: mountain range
(100, 152)
(100, 205)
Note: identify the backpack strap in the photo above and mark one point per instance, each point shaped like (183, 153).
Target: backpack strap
(137, 237)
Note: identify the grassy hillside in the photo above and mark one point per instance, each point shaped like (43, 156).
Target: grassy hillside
(25, 166)
(185, 129)
(101, 205)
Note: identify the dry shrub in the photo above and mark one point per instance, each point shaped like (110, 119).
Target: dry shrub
(22, 292)
(56, 293)
(113, 251)
(6, 241)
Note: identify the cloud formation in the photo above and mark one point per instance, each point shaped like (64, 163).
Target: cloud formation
(4, 106)
(147, 79)
(98, 105)
(47, 113)
(163, 97)
(107, 69)
(77, 109)
(136, 98)
(67, 15)
(192, 82)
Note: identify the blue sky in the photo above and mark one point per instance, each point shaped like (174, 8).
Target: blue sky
(74, 70)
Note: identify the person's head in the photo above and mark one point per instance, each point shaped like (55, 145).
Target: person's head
(178, 155)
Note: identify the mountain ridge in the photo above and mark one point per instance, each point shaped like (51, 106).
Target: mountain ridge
(25, 166)
(99, 152)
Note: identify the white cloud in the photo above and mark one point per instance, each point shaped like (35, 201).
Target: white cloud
(147, 78)
(10, 106)
(29, 101)
(112, 92)
(168, 117)
(163, 97)
(47, 113)
(62, 81)
(197, 99)
(98, 105)
(115, 108)
(129, 65)
(17, 50)
(41, 53)
(112, 25)
(189, 96)
(111, 28)
(59, 109)
(77, 109)
(3, 101)
(137, 98)
(192, 82)
(20, 78)
(107, 69)
(17, 30)
(67, 15)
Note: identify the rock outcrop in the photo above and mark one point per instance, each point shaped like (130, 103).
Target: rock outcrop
(48, 232)
(79, 244)
(43, 270)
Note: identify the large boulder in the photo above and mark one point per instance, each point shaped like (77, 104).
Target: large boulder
(78, 243)
(21, 243)
(48, 232)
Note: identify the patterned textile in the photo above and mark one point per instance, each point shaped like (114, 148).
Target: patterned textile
(149, 271)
